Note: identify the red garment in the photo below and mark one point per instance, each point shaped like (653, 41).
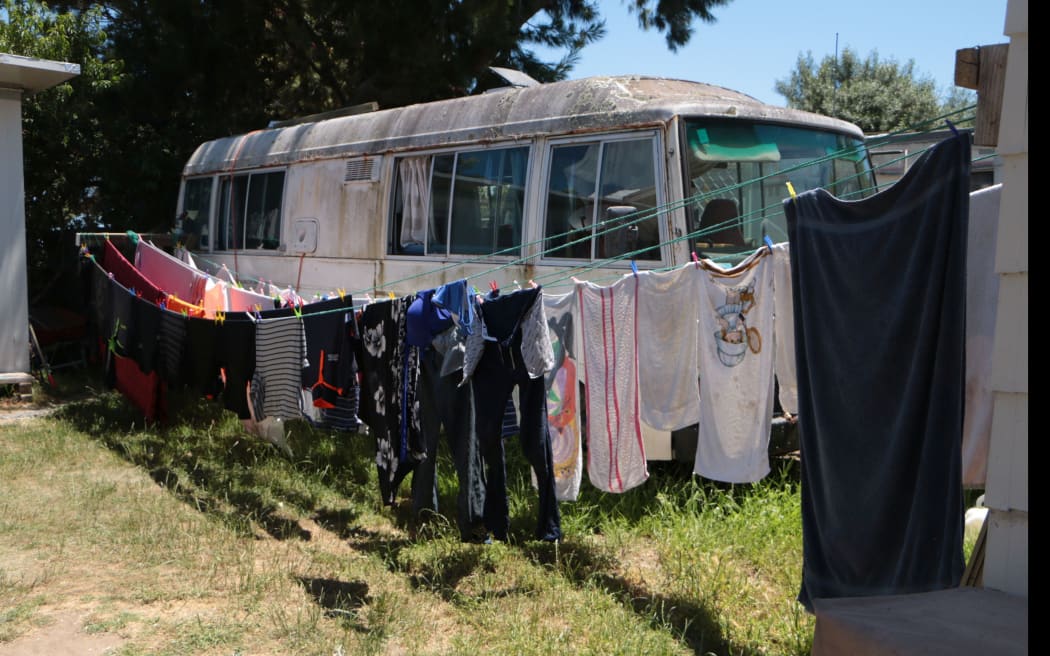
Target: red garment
(124, 272)
(145, 391)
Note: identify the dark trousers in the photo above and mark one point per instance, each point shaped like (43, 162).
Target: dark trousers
(443, 403)
(498, 371)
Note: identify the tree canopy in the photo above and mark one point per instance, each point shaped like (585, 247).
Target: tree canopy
(161, 76)
(878, 95)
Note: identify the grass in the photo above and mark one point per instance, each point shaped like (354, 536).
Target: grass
(194, 538)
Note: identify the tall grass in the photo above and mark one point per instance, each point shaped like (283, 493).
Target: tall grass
(298, 555)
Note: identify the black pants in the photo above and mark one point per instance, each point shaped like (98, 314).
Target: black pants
(443, 403)
(498, 371)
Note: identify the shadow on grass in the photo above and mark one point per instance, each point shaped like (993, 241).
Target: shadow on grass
(338, 598)
(208, 461)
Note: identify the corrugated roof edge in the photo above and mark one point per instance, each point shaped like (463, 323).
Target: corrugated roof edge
(569, 106)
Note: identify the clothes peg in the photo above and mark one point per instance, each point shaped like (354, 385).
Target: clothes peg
(951, 126)
(576, 280)
(634, 268)
(517, 285)
(220, 317)
(297, 309)
(769, 242)
(493, 286)
(342, 293)
(533, 284)
(791, 189)
(696, 260)
(390, 295)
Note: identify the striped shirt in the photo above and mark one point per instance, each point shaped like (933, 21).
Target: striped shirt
(280, 356)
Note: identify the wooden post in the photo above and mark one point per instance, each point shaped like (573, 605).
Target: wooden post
(984, 68)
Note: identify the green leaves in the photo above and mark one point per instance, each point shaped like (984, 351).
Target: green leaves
(879, 95)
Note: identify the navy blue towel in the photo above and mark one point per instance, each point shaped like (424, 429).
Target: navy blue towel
(879, 298)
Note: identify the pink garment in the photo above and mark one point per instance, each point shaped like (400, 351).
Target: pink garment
(214, 298)
(243, 300)
(170, 274)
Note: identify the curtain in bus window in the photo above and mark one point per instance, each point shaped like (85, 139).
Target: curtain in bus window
(415, 183)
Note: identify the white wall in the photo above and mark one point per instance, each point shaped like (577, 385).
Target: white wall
(14, 308)
(1006, 559)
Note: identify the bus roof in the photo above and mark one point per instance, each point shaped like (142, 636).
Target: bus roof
(566, 107)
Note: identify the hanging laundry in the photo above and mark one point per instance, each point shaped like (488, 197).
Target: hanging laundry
(215, 297)
(389, 370)
(668, 307)
(243, 300)
(784, 317)
(127, 275)
(344, 416)
(235, 354)
(102, 310)
(280, 357)
(609, 326)
(200, 362)
(736, 370)
(457, 299)
(443, 403)
(144, 391)
(331, 369)
(879, 289)
(146, 349)
(517, 353)
(176, 304)
(168, 273)
(171, 341)
(982, 300)
(563, 404)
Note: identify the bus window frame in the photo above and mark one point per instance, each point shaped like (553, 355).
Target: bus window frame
(394, 188)
(217, 205)
(657, 138)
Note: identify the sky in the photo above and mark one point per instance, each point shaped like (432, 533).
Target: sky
(755, 42)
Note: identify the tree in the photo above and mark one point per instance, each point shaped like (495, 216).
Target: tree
(161, 76)
(66, 131)
(960, 103)
(877, 95)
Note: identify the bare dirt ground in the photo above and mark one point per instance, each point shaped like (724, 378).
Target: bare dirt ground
(62, 637)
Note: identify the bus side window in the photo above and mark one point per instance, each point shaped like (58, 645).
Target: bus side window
(605, 190)
(468, 203)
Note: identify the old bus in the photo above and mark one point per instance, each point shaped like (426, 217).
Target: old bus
(541, 182)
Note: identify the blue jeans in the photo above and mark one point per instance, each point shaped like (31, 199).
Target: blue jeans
(499, 371)
(443, 403)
